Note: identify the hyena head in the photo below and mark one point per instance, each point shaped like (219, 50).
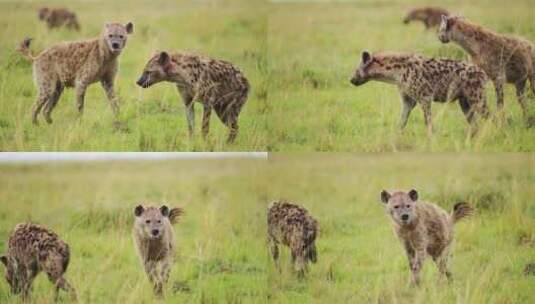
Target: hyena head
(151, 222)
(371, 68)
(10, 275)
(156, 70)
(115, 36)
(400, 205)
(412, 15)
(446, 28)
(43, 13)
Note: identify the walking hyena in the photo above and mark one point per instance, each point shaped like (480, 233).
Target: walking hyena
(504, 58)
(31, 249)
(430, 16)
(424, 80)
(77, 64)
(155, 242)
(58, 17)
(294, 227)
(424, 229)
(215, 83)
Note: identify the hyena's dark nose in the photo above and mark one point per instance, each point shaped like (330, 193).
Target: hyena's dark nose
(155, 232)
(115, 45)
(354, 81)
(405, 217)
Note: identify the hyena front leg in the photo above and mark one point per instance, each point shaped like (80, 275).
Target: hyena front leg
(165, 270)
(107, 85)
(408, 105)
(150, 270)
(298, 258)
(274, 249)
(426, 107)
(190, 110)
(81, 87)
(416, 265)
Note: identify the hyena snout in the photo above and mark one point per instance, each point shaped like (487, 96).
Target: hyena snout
(155, 232)
(144, 81)
(405, 217)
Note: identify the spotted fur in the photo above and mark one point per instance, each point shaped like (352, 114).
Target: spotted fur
(217, 84)
(77, 64)
(155, 242)
(505, 58)
(292, 226)
(58, 17)
(424, 80)
(429, 16)
(31, 249)
(424, 229)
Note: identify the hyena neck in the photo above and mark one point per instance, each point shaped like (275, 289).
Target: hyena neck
(395, 72)
(470, 38)
(180, 76)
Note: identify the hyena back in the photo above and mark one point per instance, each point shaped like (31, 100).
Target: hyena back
(77, 64)
(505, 58)
(217, 84)
(58, 17)
(31, 249)
(292, 225)
(430, 16)
(424, 229)
(155, 242)
(424, 80)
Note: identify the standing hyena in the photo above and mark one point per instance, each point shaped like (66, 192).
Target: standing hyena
(215, 83)
(155, 242)
(504, 58)
(424, 229)
(77, 64)
(57, 17)
(424, 80)
(430, 16)
(31, 249)
(294, 227)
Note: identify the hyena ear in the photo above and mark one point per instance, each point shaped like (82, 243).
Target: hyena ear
(385, 196)
(4, 260)
(164, 210)
(366, 57)
(164, 58)
(413, 194)
(139, 210)
(129, 28)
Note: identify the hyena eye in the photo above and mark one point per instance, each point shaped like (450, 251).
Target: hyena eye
(396, 207)
(121, 36)
(159, 222)
(147, 221)
(110, 36)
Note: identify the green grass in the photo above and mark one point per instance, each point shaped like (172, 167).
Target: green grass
(314, 47)
(152, 119)
(220, 245)
(360, 260)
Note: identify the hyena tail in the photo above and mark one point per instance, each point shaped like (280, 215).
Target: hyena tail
(312, 253)
(460, 211)
(24, 49)
(174, 214)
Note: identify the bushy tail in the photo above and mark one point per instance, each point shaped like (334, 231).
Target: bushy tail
(24, 49)
(174, 214)
(460, 211)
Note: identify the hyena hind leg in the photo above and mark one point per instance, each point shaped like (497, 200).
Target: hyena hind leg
(442, 262)
(51, 103)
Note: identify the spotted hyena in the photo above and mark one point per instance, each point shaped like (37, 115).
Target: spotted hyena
(155, 242)
(423, 229)
(505, 58)
(77, 64)
(31, 249)
(424, 80)
(217, 84)
(430, 16)
(293, 226)
(58, 17)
